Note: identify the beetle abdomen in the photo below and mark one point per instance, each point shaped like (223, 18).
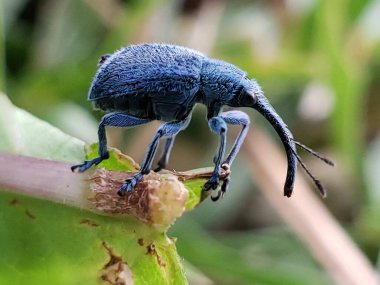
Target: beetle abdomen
(136, 105)
(146, 106)
(154, 69)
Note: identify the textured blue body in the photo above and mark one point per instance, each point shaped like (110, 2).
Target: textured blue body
(146, 82)
(159, 82)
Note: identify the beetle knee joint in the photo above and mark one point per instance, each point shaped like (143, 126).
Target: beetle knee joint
(106, 155)
(160, 132)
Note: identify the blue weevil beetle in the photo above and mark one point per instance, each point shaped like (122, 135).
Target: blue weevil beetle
(146, 82)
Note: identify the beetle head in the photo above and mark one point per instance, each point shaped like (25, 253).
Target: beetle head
(265, 108)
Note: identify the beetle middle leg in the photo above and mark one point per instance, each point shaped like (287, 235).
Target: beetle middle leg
(168, 130)
(115, 119)
(163, 161)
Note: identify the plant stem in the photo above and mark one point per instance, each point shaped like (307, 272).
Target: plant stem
(158, 199)
(41, 178)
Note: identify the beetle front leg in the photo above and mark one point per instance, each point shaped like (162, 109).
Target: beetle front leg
(115, 119)
(219, 126)
(236, 118)
(233, 118)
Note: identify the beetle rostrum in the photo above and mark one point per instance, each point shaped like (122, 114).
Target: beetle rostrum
(145, 82)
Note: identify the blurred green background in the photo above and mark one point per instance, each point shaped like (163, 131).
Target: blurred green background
(318, 63)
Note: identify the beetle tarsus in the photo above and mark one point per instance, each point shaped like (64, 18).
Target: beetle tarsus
(212, 183)
(217, 197)
(159, 167)
(224, 187)
(129, 184)
(222, 190)
(288, 192)
(86, 164)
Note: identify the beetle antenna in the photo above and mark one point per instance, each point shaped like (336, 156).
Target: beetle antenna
(316, 181)
(316, 154)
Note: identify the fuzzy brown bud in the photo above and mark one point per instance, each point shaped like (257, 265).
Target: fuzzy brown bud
(156, 199)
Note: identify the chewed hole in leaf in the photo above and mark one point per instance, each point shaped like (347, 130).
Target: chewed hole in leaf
(116, 271)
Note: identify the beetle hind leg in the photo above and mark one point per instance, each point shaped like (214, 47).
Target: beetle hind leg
(115, 119)
(88, 163)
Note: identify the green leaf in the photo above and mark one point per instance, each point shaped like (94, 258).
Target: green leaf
(22, 133)
(47, 243)
(249, 257)
(116, 161)
(196, 196)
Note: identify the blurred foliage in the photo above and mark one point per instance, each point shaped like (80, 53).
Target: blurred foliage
(318, 62)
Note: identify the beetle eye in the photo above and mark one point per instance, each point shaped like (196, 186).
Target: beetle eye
(249, 99)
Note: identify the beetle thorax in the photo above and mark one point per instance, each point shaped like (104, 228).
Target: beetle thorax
(219, 81)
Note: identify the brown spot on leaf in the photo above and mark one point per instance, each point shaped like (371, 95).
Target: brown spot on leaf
(140, 241)
(30, 215)
(14, 201)
(151, 250)
(89, 222)
(116, 271)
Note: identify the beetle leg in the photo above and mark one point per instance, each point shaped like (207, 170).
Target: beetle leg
(236, 118)
(219, 126)
(114, 119)
(232, 118)
(165, 130)
(165, 154)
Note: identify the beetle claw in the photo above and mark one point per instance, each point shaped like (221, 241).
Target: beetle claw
(84, 166)
(217, 197)
(212, 183)
(222, 191)
(159, 167)
(129, 184)
(88, 163)
(225, 186)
